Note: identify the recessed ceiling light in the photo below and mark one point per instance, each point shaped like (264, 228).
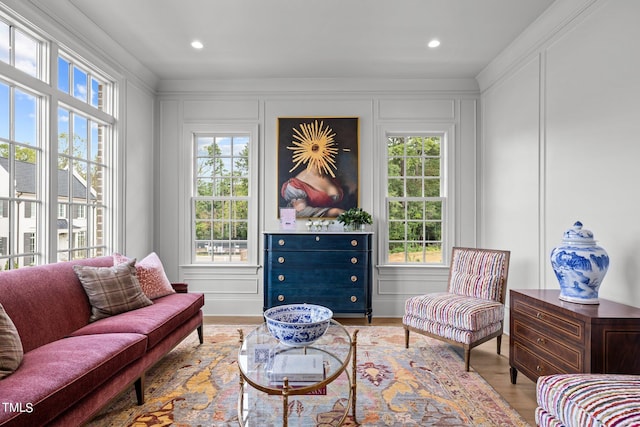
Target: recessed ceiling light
(197, 44)
(433, 43)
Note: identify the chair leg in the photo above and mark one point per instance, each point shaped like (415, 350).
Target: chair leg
(467, 356)
(499, 343)
(406, 338)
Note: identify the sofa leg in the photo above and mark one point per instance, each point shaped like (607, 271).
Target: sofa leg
(467, 356)
(499, 338)
(139, 386)
(406, 338)
(200, 334)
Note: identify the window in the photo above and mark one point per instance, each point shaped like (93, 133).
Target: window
(220, 203)
(77, 137)
(21, 163)
(20, 49)
(416, 199)
(81, 187)
(82, 83)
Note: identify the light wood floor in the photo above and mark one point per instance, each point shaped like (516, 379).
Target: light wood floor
(493, 367)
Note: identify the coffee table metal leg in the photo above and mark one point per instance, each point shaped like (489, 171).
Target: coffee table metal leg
(285, 402)
(354, 372)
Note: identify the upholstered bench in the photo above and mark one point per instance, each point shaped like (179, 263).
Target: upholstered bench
(585, 400)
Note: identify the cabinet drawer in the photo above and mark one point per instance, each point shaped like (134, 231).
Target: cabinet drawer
(525, 330)
(315, 242)
(331, 259)
(563, 327)
(338, 301)
(532, 364)
(327, 279)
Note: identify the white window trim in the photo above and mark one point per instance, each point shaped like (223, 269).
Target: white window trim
(42, 27)
(186, 184)
(447, 130)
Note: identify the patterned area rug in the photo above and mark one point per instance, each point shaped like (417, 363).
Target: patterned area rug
(425, 385)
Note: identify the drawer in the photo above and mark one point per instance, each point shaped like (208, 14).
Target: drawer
(302, 259)
(532, 364)
(318, 242)
(337, 301)
(328, 275)
(336, 280)
(563, 327)
(525, 330)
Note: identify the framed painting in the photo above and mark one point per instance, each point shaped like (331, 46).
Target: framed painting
(318, 167)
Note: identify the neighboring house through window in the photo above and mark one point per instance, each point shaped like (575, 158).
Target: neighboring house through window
(78, 138)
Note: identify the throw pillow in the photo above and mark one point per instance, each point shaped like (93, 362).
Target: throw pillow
(11, 351)
(111, 290)
(151, 275)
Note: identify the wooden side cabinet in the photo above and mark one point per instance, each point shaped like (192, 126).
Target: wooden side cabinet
(329, 269)
(549, 336)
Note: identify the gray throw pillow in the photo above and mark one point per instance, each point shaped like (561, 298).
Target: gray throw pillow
(111, 290)
(11, 351)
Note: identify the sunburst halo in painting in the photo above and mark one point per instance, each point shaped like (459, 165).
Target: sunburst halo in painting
(314, 145)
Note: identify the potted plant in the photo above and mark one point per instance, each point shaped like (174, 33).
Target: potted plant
(355, 219)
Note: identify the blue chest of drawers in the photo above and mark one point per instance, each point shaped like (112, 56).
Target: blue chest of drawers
(329, 269)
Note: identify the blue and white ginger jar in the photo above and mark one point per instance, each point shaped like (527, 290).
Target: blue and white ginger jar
(580, 265)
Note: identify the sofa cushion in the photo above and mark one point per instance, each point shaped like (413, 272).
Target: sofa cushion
(155, 321)
(111, 290)
(10, 345)
(153, 280)
(589, 399)
(28, 293)
(55, 376)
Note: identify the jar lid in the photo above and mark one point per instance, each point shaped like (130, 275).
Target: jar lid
(577, 235)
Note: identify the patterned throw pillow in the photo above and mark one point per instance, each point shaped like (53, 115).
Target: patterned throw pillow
(151, 275)
(111, 290)
(10, 345)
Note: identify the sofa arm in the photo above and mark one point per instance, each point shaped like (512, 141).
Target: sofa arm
(181, 288)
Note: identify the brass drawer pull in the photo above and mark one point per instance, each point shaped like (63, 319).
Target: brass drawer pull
(354, 279)
(539, 368)
(281, 242)
(281, 277)
(354, 243)
(281, 260)
(354, 260)
(541, 341)
(280, 298)
(354, 298)
(539, 315)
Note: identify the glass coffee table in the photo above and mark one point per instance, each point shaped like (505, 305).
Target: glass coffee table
(265, 402)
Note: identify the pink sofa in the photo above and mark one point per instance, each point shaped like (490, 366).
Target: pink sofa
(72, 368)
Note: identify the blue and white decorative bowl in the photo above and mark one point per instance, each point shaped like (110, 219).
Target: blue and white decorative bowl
(298, 325)
(580, 265)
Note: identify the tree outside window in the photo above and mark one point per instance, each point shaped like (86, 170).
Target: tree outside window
(221, 198)
(415, 199)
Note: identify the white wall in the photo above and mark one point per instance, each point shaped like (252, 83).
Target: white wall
(560, 123)
(238, 291)
(139, 167)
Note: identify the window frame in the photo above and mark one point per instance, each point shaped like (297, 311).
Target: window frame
(446, 131)
(188, 248)
(51, 99)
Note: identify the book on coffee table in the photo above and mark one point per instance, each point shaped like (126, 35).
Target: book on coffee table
(297, 368)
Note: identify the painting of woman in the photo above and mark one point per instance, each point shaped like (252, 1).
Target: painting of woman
(326, 184)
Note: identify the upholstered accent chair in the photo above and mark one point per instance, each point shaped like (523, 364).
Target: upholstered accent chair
(471, 311)
(588, 400)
